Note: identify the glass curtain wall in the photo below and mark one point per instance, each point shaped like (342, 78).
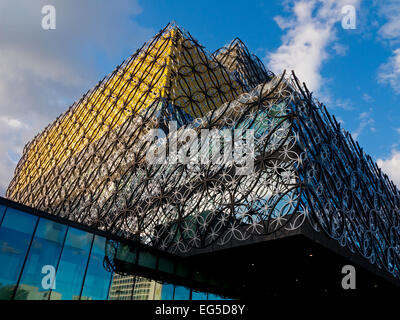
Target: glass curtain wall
(41, 259)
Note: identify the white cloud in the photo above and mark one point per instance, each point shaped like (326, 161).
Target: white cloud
(390, 9)
(340, 120)
(340, 49)
(13, 123)
(309, 32)
(343, 104)
(367, 98)
(43, 72)
(391, 166)
(365, 121)
(389, 72)
(325, 95)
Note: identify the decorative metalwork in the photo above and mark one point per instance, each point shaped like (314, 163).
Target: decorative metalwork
(91, 164)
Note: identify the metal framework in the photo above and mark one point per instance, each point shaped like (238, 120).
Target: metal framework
(90, 164)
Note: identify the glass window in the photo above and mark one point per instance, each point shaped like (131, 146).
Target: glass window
(181, 293)
(126, 253)
(165, 265)
(39, 271)
(70, 271)
(182, 270)
(198, 295)
(167, 291)
(2, 210)
(146, 259)
(15, 236)
(97, 281)
(212, 296)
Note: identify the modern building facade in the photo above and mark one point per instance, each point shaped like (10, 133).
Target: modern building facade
(32, 241)
(299, 201)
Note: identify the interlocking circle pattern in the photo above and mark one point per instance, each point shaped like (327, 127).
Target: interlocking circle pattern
(90, 164)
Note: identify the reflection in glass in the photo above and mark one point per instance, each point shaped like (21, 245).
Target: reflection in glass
(212, 296)
(45, 251)
(122, 287)
(71, 269)
(97, 281)
(77, 258)
(15, 236)
(146, 289)
(181, 293)
(130, 287)
(198, 295)
(167, 292)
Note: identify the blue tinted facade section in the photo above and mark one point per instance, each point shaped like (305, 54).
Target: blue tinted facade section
(212, 296)
(72, 266)
(43, 257)
(30, 247)
(198, 295)
(167, 292)
(16, 234)
(174, 292)
(98, 279)
(181, 293)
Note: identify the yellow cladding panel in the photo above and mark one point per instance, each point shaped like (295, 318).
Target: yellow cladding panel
(171, 66)
(201, 85)
(131, 89)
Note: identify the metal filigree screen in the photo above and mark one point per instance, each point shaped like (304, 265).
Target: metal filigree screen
(91, 165)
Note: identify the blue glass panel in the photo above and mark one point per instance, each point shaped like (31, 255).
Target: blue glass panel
(181, 293)
(97, 281)
(126, 253)
(2, 210)
(38, 273)
(72, 265)
(167, 292)
(15, 236)
(197, 295)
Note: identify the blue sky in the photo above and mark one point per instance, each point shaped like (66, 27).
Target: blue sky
(356, 73)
